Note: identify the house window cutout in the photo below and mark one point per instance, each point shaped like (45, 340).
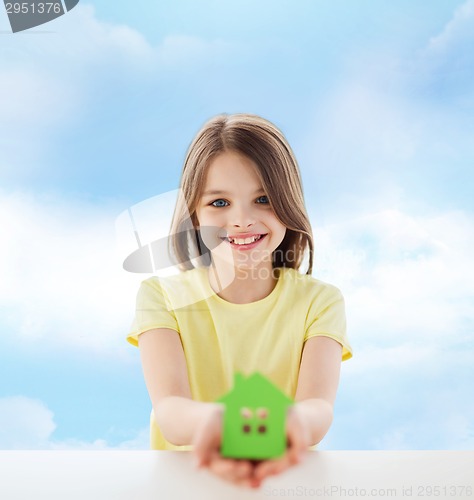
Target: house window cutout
(262, 413)
(246, 413)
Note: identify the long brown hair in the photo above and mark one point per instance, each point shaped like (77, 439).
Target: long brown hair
(262, 142)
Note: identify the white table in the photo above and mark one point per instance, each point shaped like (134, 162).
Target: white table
(164, 475)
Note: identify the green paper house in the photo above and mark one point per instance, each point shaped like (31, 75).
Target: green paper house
(254, 419)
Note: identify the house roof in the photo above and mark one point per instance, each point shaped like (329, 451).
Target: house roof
(255, 390)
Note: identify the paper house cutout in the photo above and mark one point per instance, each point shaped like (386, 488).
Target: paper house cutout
(254, 425)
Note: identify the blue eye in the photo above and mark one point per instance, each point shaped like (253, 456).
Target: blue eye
(216, 201)
(262, 200)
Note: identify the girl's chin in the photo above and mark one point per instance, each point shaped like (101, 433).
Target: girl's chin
(241, 263)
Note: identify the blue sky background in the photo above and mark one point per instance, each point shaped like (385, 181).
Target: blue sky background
(97, 109)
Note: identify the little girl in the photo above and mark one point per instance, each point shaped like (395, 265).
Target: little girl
(242, 303)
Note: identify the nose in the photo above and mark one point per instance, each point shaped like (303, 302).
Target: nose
(242, 217)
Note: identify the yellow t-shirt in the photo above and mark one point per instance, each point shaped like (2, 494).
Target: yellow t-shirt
(220, 338)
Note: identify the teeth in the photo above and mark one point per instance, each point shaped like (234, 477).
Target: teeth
(244, 241)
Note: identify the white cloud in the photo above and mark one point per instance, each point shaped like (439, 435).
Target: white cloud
(444, 430)
(27, 423)
(29, 108)
(47, 84)
(360, 122)
(140, 442)
(395, 126)
(365, 140)
(178, 51)
(395, 439)
(415, 405)
(444, 65)
(407, 278)
(80, 49)
(34, 103)
(50, 82)
(77, 39)
(457, 31)
(62, 281)
(24, 423)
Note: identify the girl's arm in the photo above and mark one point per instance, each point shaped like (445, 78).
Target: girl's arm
(166, 378)
(317, 384)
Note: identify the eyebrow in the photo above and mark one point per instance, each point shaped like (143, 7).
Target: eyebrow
(218, 191)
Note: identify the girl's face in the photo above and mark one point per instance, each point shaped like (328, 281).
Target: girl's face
(237, 222)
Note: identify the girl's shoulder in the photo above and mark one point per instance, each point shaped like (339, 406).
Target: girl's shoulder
(306, 285)
(176, 279)
(181, 289)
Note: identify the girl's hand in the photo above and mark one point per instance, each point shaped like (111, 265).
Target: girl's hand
(248, 473)
(207, 442)
(298, 440)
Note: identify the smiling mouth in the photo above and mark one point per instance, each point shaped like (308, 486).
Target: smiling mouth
(244, 241)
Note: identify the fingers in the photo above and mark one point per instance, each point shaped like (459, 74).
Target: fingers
(245, 473)
(238, 472)
(231, 469)
(272, 467)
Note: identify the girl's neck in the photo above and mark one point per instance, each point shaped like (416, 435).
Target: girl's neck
(242, 285)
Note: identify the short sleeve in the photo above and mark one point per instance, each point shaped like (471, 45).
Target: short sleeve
(327, 318)
(151, 311)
